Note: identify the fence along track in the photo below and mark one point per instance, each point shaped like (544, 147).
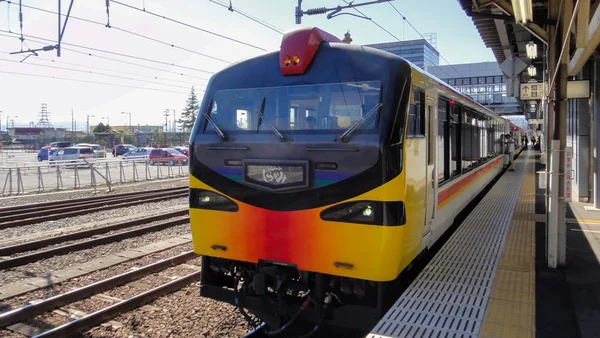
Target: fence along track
(82, 209)
(12, 178)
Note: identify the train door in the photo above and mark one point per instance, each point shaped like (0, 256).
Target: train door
(431, 189)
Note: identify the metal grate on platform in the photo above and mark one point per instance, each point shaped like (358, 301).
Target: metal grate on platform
(450, 296)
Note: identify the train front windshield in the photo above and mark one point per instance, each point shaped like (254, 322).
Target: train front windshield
(319, 108)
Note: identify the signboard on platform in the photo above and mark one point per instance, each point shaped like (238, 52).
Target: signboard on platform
(578, 89)
(531, 91)
(568, 173)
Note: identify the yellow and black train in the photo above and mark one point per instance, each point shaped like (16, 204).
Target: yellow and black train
(318, 173)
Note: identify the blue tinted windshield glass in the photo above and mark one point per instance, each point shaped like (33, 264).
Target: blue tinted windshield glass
(302, 107)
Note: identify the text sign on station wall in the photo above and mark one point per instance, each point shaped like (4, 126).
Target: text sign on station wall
(568, 173)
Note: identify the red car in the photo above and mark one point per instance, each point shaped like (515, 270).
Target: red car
(167, 155)
(182, 150)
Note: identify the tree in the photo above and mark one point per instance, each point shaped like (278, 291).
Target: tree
(188, 115)
(101, 128)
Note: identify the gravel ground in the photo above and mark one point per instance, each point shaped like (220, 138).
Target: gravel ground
(114, 232)
(180, 314)
(93, 277)
(42, 267)
(93, 217)
(74, 194)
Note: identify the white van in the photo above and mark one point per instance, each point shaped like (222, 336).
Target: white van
(73, 154)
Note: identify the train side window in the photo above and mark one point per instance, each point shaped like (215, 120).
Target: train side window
(443, 142)
(455, 132)
(416, 114)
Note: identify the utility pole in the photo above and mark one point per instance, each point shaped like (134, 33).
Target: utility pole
(72, 126)
(130, 127)
(166, 115)
(88, 123)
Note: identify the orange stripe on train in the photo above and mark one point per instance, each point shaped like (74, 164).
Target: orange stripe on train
(444, 196)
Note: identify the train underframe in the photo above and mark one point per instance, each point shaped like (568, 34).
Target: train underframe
(279, 294)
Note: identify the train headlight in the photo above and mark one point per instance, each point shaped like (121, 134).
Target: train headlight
(206, 199)
(367, 212)
(287, 60)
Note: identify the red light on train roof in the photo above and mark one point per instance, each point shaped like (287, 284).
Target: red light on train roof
(299, 47)
(451, 102)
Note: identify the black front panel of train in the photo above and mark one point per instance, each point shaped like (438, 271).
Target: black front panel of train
(318, 167)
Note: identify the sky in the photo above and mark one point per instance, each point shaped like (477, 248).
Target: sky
(110, 87)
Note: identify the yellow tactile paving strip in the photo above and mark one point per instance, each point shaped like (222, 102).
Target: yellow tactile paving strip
(511, 308)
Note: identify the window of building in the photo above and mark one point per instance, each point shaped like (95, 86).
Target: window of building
(489, 79)
(481, 80)
(459, 82)
(497, 79)
(451, 82)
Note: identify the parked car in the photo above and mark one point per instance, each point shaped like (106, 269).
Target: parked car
(183, 150)
(138, 154)
(121, 149)
(43, 153)
(98, 150)
(168, 156)
(73, 154)
(60, 144)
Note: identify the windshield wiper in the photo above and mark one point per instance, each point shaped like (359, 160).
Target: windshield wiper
(359, 123)
(262, 117)
(214, 124)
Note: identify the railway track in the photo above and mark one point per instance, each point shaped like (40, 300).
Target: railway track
(180, 218)
(28, 312)
(36, 213)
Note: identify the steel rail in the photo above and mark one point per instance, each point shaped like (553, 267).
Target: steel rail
(101, 316)
(31, 310)
(49, 205)
(37, 244)
(37, 217)
(73, 204)
(32, 257)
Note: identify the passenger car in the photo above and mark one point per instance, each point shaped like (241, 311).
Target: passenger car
(138, 154)
(43, 153)
(73, 154)
(168, 156)
(121, 149)
(98, 150)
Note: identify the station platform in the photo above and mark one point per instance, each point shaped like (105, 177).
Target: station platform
(490, 279)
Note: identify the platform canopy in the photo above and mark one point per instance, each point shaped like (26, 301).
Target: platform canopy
(502, 32)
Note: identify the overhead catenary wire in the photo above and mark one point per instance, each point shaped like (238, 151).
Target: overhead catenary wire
(92, 82)
(115, 53)
(114, 60)
(421, 35)
(253, 18)
(112, 26)
(378, 25)
(187, 25)
(111, 70)
(91, 72)
(373, 21)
